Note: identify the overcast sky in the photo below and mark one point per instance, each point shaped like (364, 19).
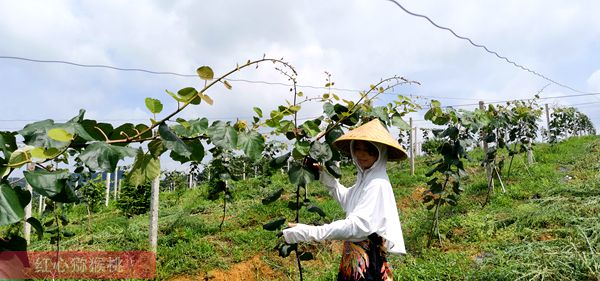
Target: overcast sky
(358, 42)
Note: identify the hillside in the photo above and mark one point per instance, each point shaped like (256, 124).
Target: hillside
(546, 226)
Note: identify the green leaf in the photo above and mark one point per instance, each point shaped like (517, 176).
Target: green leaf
(15, 243)
(122, 132)
(4, 169)
(172, 142)
(64, 220)
(223, 135)
(197, 127)
(252, 143)
(174, 96)
(36, 134)
(187, 93)
(315, 209)
(258, 112)
(205, 73)
(457, 188)
(145, 169)
(276, 116)
(197, 152)
(285, 126)
(292, 205)
(156, 148)
(380, 112)
(333, 135)
(286, 249)
(93, 129)
(320, 151)
(328, 109)
(279, 162)
(154, 105)
(451, 132)
(301, 149)
(23, 194)
(101, 156)
(12, 209)
(39, 229)
(272, 197)
(206, 99)
(299, 175)
(60, 134)
(274, 224)
(183, 123)
(52, 185)
(333, 169)
(31, 131)
(430, 114)
(143, 127)
(19, 157)
(81, 134)
(8, 143)
(311, 128)
(306, 256)
(398, 122)
(295, 108)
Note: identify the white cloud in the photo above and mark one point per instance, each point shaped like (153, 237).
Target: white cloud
(358, 41)
(594, 81)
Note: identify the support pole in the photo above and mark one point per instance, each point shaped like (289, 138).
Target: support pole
(530, 158)
(40, 204)
(411, 152)
(547, 122)
(107, 189)
(26, 225)
(116, 183)
(484, 145)
(153, 228)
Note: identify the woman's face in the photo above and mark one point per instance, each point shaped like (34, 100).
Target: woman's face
(366, 154)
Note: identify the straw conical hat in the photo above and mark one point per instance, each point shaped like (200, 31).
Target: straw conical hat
(375, 132)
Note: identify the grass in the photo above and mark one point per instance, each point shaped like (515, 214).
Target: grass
(545, 227)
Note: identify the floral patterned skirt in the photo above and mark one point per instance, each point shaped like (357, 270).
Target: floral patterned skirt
(365, 260)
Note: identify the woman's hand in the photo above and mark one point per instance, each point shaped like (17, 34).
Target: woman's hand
(291, 224)
(318, 166)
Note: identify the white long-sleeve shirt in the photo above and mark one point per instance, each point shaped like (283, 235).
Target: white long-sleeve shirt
(370, 207)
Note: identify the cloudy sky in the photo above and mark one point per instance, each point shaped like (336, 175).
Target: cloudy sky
(359, 42)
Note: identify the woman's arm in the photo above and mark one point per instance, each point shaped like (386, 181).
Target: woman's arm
(336, 190)
(362, 221)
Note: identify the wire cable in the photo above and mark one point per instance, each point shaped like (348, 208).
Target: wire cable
(540, 98)
(167, 73)
(259, 81)
(488, 50)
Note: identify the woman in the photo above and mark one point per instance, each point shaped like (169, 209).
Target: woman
(371, 227)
